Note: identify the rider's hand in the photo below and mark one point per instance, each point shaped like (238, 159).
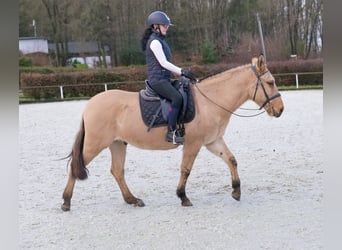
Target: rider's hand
(189, 74)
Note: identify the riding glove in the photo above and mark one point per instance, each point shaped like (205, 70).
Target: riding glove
(189, 74)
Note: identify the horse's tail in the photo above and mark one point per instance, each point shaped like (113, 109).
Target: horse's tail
(78, 168)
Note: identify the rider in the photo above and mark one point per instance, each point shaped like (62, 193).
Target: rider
(159, 69)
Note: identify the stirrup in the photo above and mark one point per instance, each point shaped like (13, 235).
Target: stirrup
(174, 137)
(177, 138)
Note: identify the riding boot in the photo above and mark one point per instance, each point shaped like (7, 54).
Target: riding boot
(173, 135)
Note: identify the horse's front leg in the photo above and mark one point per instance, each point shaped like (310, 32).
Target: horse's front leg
(189, 155)
(220, 149)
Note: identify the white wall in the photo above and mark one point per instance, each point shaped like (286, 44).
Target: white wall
(27, 46)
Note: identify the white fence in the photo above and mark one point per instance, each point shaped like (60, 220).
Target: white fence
(297, 74)
(105, 85)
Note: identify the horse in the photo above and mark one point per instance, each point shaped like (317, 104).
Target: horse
(112, 119)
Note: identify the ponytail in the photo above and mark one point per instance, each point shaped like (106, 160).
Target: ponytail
(145, 37)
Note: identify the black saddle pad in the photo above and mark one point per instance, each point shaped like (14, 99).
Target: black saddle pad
(151, 111)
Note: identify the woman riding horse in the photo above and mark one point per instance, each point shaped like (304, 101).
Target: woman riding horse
(159, 69)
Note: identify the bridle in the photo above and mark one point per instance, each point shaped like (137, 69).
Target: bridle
(259, 82)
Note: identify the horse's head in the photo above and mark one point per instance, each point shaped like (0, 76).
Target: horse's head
(265, 92)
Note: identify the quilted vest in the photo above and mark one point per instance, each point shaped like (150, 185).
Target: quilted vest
(155, 72)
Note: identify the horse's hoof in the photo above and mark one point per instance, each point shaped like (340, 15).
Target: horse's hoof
(236, 198)
(236, 195)
(65, 208)
(186, 203)
(139, 203)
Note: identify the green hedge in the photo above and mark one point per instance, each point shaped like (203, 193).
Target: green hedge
(43, 83)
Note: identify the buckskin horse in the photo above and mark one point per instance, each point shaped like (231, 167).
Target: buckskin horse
(112, 119)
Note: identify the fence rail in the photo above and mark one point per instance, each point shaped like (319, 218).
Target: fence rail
(297, 74)
(105, 85)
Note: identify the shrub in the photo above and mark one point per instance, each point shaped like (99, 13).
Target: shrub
(39, 82)
(84, 83)
(81, 66)
(40, 70)
(296, 66)
(209, 53)
(25, 61)
(132, 57)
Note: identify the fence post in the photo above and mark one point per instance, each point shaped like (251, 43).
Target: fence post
(105, 85)
(61, 90)
(297, 80)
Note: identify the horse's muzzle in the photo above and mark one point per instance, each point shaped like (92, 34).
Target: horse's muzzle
(277, 113)
(274, 109)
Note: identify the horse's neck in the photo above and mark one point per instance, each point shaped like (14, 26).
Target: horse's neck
(228, 89)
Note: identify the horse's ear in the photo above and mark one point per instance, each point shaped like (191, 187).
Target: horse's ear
(261, 63)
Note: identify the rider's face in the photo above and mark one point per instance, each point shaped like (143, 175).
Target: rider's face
(163, 29)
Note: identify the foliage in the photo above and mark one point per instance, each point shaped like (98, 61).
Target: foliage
(76, 64)
(296, 66)
(81, 66)
(119, 24)
(48, 70)
(43, 83)
(209, 53)
(76, 83)
(132, 56)
(25, 61)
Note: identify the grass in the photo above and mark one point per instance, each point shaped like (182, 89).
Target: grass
(303, 87)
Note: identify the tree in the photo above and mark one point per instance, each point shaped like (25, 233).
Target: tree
(25, 20)
(312, 26)
(289, 26)
(59, 17)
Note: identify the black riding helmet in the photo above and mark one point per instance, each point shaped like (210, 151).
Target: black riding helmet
(158, 17)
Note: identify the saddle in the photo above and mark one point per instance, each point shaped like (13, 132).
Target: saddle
(155, 109)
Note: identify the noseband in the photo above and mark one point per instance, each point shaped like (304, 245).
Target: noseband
(259, 82)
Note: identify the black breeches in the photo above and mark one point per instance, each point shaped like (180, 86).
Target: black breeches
(166, 90)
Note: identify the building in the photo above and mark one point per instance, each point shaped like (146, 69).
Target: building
(84, 52)
(38, 49)
(28, 45)
(35, 48)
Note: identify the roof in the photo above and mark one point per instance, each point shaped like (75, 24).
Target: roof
(32, 38)
(80, 47)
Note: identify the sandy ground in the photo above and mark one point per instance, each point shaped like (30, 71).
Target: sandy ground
(280, 166)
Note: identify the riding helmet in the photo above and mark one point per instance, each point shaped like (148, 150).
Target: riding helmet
(158, 17)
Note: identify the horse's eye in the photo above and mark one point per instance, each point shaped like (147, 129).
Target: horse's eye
(270, 82)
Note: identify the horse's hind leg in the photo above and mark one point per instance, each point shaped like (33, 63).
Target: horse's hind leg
(87, 156)
(67, 194)
(118, 151)
(220, 149)
(81, 155)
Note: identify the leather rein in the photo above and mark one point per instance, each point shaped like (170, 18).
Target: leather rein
(259, 82)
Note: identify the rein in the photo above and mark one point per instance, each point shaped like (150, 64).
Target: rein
(227, 110)
(259, 82)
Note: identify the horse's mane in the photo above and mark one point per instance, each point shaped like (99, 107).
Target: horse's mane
(225, 71)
